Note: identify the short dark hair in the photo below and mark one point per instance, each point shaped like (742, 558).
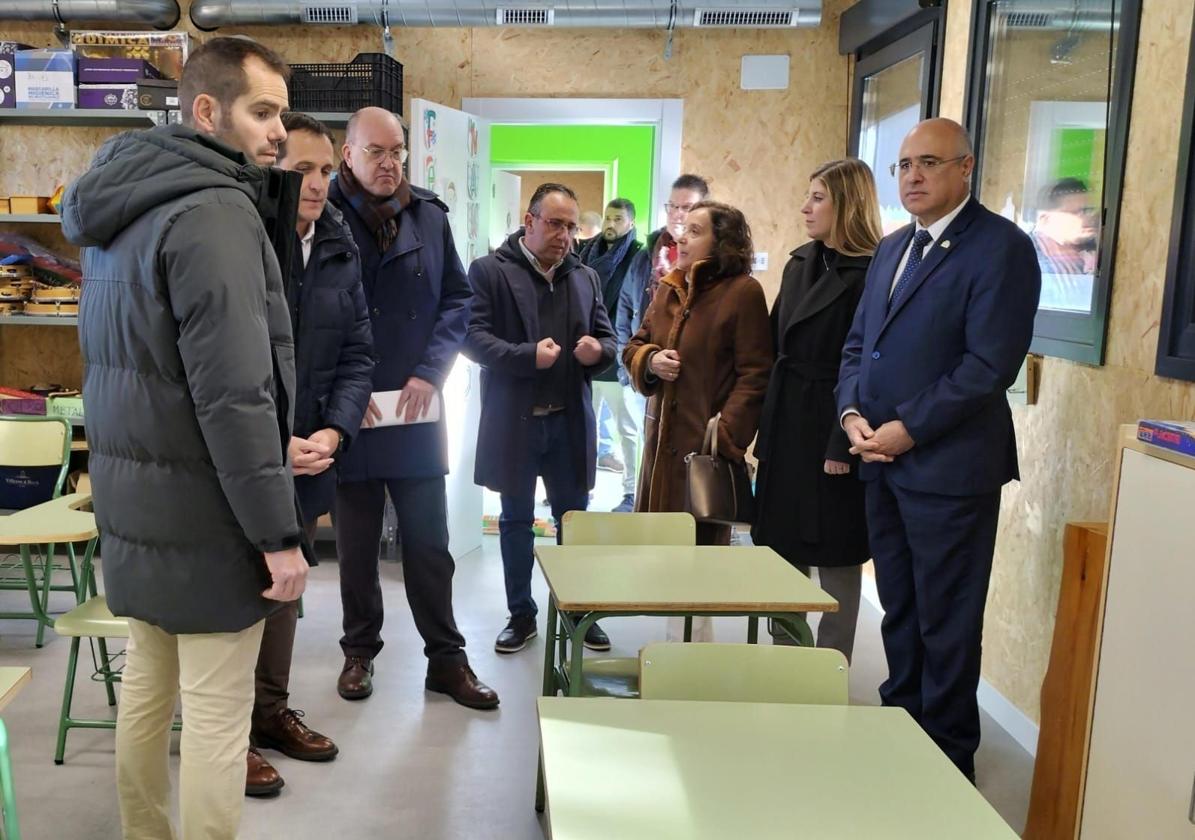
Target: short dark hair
(217, 68)
(732, 252)
(1051, 196)
(692, 182)
(624, 204)
(543, 191)
(294, 121)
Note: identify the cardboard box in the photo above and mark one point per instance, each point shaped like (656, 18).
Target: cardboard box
(166, 51)
(45, 79)
(115, 71)
(157, 95)
(65, 406)
(8, 72)
(110, 97)
(28, 205)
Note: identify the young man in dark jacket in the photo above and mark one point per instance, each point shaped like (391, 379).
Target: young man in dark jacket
(418, 298)
(189, 386)
(334, 367)
(539, 330)
(611, 254)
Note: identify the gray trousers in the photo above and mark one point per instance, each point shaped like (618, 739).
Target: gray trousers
(836, 629)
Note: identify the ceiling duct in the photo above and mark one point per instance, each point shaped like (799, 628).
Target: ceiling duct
(160, 14)
(609, 14)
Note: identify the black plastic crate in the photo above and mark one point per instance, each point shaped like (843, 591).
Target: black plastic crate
(369, 79)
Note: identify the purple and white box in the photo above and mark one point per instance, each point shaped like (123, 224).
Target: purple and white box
(8, 72)
(108, 97)
(115, 71)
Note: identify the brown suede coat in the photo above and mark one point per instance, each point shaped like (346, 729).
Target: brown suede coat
(721, 331)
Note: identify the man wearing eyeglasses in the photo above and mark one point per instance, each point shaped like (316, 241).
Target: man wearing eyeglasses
(540, 332)
(940, 334)
(418, 298)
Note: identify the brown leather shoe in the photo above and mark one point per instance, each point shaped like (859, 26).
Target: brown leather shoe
(356, 680)
(461, 684)
(262, 779)
(287, 733)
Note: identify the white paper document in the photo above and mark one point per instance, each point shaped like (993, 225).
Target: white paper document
(387, 403)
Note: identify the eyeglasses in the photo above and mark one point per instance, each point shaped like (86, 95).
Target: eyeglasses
(925, 163)
(557, 225)
(374, 155)
(684, 208)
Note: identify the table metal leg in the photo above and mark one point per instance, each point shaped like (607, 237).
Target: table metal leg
(688, 628)
(39, 612)
(753, 630)
(577, 652)
(12, 831)
(550, 688)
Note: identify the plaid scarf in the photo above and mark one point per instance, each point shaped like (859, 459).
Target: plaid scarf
(379, 214)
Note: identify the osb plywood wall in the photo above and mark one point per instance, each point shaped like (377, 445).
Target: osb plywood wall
(755, 147)
(589, 185)
(1068, 440)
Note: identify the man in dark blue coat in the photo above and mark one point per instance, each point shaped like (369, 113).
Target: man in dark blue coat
(418, 297)
(943, 327)
(333, 367)
(540, 332)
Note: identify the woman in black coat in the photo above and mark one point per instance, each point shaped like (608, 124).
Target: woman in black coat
(810, 502)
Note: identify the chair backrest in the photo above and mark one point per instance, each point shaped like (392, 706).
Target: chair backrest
(35, 454)
(742, 673)
(583, 527)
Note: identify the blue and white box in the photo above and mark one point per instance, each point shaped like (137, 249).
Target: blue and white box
(45, 79)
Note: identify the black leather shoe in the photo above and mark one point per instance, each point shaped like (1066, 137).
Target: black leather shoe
(596, 638)
(460, 683)
(356, 680)
(519, 630)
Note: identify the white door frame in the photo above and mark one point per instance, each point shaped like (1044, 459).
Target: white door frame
(667, 115)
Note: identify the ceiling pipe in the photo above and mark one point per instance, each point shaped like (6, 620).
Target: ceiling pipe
(653, 14)
(160, 14)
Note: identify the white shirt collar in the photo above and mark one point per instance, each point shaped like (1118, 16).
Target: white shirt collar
(939, 227)
(548, 273)
(305, 242)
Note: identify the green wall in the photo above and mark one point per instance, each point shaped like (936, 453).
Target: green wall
(626, 150)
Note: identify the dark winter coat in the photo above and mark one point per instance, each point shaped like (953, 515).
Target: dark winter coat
(719, 327)
(333, 349)
(809, 517)
(634, 298)
(189, 379)
(612, 284)
(503, 334)
(418, 298)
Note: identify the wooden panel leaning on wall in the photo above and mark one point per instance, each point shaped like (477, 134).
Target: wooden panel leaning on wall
(1066, 689)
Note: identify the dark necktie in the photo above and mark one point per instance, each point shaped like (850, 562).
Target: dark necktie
(920, 240)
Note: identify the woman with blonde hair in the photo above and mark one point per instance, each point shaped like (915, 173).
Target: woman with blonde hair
(810, 507)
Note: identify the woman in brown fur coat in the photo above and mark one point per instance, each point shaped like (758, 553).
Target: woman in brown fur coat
(705, 346)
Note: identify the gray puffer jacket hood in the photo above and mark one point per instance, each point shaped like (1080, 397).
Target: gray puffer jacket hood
(189, 378)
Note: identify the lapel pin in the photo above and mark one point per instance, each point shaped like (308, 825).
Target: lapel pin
(945, 243)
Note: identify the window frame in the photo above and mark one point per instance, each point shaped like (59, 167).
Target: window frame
(1176, 333)
(922, 33)
(1079, 337)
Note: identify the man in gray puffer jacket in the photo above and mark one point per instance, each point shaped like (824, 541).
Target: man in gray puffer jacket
(188, 393)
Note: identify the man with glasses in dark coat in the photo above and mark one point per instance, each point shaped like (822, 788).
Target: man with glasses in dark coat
(540, 332)
(418, 298)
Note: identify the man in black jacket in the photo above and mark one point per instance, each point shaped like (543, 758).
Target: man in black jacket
(334, 353)
(539, 330)
(610, 254)
(189, 388)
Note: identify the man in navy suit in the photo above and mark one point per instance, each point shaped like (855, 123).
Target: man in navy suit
(940, 334)
(418, 298)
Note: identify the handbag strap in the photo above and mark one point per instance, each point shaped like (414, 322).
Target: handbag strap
(710, 445)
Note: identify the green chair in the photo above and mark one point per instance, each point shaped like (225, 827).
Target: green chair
(619, 676)
(93, 621)
(11, 681)
(37, 443)
(743, 673)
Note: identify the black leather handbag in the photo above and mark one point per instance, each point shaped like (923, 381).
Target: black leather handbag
(718, 490)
